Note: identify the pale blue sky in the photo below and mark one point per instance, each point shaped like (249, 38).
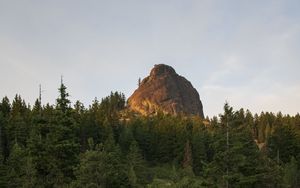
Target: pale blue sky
(246, 52)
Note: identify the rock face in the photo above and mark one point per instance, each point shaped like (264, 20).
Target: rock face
(165, 91)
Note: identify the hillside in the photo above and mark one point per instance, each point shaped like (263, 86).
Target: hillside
(63, 146)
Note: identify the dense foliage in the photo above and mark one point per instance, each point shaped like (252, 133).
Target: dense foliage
(104, 145)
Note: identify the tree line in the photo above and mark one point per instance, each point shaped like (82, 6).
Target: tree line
(105, 145)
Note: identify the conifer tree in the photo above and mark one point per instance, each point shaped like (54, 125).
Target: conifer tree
(16, 166)
(137, 171)
(3, 172)
(62, 144)
(291, 173)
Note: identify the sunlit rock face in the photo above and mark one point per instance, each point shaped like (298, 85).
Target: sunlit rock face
(167, 92)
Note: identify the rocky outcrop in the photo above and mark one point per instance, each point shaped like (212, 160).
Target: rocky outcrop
(165, 91)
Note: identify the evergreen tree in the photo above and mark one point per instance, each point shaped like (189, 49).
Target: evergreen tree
(291, 174)
(137, 170)
(18, 127)
(20, 168)
(91, 170)
(201, 151)
(104, 145)
(5, 109)
(62, 102)
(62, 145)
(102, 167)
(283, 144)
(3, 172)
(234, 164)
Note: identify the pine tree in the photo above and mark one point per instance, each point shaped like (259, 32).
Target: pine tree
(200, 151)
(5, 109)
(18, 127)
(91, 170)
(62, 144)
(237, 162)
(137, 171)
(291, 174)
(3, 172)
(283, 144)
(16, 166)
(63, 103)
(102, 167)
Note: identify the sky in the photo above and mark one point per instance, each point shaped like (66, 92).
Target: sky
(244, 52)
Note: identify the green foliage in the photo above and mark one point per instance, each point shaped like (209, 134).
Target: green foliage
(237, 162)
(104, 145)
(91, 170)
(63, 103)
(62, 144)
(20, 169)
(190, 182)
(3, 172)
(291, 173)
(137, 166)
(283, 144)
(102, 167)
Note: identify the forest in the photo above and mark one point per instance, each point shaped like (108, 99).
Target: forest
(105, 145)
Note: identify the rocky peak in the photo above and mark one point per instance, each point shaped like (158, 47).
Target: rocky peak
(161, 70)
(165, 91)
